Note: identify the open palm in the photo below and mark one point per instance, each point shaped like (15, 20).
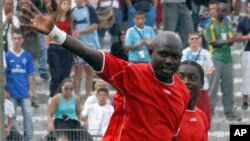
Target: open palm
(38, 21)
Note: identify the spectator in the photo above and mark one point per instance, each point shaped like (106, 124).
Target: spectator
(60, 60)
(10, 22)
(177, 18)
(114, 30)
(118, 49)
(19, 74)
(138, 39)
(65, 107)
(10, 132)
(220, 37)
(153, 88)
(93, 98)
(97, 115)
(30, 42)
(148, 7)
(85, 28)
(41, 5)
(243, 34)
(196, 53)
(194, 124)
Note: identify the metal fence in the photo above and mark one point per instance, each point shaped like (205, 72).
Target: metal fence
(58, 135)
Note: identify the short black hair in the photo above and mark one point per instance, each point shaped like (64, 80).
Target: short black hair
(196, 65)
(17, 31)
(213, 2)
(102, 90)
(139, 13)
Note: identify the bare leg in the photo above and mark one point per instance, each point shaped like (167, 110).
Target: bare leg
(89, 80)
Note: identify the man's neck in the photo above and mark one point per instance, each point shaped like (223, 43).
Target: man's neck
(17, 50)
(195, 49)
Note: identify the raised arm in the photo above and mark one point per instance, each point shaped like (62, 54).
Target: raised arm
(45, 24)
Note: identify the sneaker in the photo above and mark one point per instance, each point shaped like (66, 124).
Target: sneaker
(44, 76)
(244, 106)
(234, 118)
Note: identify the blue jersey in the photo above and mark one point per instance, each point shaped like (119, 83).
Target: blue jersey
(133, 37)
(18, 69)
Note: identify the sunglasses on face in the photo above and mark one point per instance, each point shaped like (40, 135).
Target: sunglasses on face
(68, 88)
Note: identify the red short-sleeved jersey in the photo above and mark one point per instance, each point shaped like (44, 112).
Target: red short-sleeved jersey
(146, 109)
(194, 126)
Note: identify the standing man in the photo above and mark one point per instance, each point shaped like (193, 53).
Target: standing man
(194, 124)
(177, 18)
(220, 37)
(138, 39)
(19, 74)
(243, 34)
(153, 89)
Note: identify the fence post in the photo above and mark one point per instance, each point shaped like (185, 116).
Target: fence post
(2, 134)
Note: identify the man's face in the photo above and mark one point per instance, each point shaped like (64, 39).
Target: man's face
(9, 5)
(193, 41)
(17, 40)
(139, 20)
(222, 11)
(191, 77)
(102, 97)
(165, 62)
(213, 10)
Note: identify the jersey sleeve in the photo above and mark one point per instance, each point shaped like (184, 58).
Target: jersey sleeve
(129, 37)
(210, 34)
(31, 67)
(112, 67)
(93, 16)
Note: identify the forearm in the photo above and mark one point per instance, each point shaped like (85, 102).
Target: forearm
(218, 44)
(91, 28)
(155, 2)
(133, 47)
(241, 38)
(92, 56)
(128, 2)
(31, 83)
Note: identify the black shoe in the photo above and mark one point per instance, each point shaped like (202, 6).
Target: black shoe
(234, 118)
(44, 76)
(244, 106)
(34, 105)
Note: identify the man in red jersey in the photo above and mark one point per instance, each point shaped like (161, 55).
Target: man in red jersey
(150, 99)
(194, 124)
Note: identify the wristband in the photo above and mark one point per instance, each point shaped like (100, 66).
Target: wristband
(58, 35)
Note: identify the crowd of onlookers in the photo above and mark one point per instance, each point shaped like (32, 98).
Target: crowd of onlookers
(205, 27)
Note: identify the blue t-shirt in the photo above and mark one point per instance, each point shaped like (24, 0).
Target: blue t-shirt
(83, 20)
(18, 69)
(66, 107)
(132, 37)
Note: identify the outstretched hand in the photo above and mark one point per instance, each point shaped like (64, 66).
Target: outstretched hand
(36, 20)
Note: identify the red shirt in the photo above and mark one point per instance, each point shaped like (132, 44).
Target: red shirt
(146, 109)
(194, 126)
(64, 26)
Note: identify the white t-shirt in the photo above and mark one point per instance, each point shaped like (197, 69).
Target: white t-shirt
(8, 109)
(204, 60)
(98, 118)
(92, 99)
